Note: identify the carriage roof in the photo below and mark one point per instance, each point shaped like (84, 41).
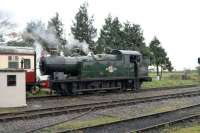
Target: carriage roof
(16, 50)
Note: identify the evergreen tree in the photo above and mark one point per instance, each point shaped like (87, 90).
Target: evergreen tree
(168, 65)
(55, 26)
(117, 36)
(111, 35)
(133, 38)
(83, 29)
(159, 56)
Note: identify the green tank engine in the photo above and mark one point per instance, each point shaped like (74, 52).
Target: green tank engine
(122, 69)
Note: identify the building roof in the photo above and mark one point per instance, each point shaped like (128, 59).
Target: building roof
(16, 50)
(127, 52)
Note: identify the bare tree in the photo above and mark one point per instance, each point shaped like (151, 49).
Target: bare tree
(6, 25)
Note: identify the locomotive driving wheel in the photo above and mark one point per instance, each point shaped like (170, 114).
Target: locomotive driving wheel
(35, 89)
(72, 87)
(63, 89)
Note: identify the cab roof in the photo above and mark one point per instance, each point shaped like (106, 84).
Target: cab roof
(126, 52)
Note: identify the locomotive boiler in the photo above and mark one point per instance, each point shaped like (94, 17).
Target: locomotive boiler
(122, 70)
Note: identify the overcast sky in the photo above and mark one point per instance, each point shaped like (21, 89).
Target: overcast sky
(176, 23)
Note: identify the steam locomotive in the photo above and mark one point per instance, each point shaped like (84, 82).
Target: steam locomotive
(119, 70)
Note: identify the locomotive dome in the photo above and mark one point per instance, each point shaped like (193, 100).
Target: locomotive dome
(16, 50)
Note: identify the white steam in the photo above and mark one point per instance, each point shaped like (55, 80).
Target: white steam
(44, 38)
(39, 50)
(72, 43)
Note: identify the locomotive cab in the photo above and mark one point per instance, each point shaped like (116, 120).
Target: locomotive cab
(199, 60)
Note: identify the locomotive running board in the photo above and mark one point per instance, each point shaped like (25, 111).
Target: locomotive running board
(99, 89)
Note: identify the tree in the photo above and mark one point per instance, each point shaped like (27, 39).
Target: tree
(159, 56)
(33, 32)
(168, 65)
(198, 70)
(117, 36)
(55, 26)
(36, 31)
(111, 35)
(82, 28)
(133, 38)
(1, 38)
(5, 25)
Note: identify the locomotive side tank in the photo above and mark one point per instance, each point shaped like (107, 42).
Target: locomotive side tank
(72, 66)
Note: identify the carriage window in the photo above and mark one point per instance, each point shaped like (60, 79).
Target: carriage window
(27, 63)
(9, 58)
(13, 62)
(11, 80)
(16, 58)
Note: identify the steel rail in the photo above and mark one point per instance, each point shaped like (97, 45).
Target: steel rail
(170, 123)
(38, 113)
(140, 124)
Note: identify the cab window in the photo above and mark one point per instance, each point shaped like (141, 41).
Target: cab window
(134, 58)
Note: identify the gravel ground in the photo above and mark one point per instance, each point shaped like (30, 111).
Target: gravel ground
(122, 112)
(22, 126)
(39, 104)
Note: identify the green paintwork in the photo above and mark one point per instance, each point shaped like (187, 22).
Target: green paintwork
(115, 65)
(106, 68)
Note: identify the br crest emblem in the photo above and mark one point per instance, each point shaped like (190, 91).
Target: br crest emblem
(111, 69)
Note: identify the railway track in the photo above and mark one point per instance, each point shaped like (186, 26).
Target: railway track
(31, 114)
(148, 123)
(53, 97)
(170, 123)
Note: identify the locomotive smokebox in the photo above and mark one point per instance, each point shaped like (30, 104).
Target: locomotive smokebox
(68, 65)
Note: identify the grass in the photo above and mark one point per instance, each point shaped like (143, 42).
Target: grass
(172, 79)
(168, 83)
(7, 110)
(76, 124)
(195, 128)
(41, 92)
